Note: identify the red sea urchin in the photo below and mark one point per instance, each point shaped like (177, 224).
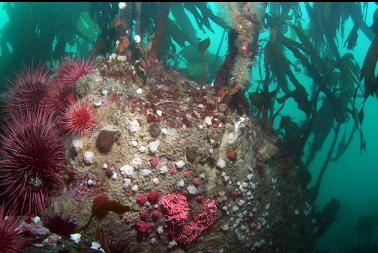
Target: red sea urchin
(59, 98)
(11, 234)
(78, 118)
(29, 91)
(70, 71)
(60, 224)
(32, 160)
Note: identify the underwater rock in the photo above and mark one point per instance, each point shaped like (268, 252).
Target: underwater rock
(173, 161)
(191, 153)
(267, 151)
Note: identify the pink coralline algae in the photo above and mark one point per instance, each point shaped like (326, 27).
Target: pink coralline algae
(175, 208)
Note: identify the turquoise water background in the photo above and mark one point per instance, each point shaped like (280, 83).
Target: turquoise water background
(353, 179)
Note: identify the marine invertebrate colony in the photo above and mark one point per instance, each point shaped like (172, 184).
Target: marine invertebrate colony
(28, 91)
(78, 118)
(176, 210)
(33, 157)
(70, 71)
(11, 234)
(174, 206)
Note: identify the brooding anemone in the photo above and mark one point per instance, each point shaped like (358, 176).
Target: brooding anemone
(32, 158)
(78, 118)
(70, 71)
(11, 233)
(28, 92)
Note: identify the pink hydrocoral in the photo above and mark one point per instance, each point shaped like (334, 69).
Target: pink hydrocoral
(174, 206)
(182, 230)
(207, 217)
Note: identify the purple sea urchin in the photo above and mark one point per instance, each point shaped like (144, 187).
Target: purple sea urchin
(29, 91)
(32, 159)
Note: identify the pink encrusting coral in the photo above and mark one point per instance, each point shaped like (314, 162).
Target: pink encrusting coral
(70, 71)
(175, 208)
(29, 91)
(78, 119)
(33, 159)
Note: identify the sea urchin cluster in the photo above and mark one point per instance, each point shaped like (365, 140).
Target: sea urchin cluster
(33, 158)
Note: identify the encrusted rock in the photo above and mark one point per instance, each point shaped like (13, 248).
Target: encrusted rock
(191, 153)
